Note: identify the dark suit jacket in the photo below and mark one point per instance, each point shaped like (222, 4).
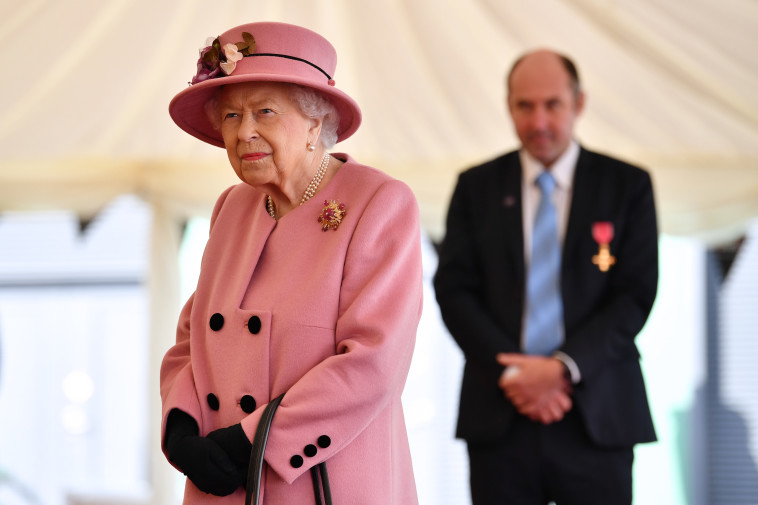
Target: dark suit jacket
(480, 286)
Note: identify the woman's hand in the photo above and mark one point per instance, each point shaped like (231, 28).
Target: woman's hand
(206, 464)
(235, 443)
(201, 459)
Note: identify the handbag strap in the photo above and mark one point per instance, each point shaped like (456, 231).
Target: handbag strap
(321, 483)
(325, 483)
(254, 470)
(253, 489)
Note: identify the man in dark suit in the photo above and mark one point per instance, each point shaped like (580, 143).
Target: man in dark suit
(553, 398)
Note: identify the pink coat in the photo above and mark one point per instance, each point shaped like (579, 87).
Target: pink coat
(327, 317)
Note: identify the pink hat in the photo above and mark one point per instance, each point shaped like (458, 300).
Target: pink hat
(277, 52)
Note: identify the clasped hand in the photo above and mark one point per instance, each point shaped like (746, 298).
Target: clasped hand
(217, 464)
(536, 386)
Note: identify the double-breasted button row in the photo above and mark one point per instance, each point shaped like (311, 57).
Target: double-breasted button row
(216, 322)
(247, 403)
(310, 450)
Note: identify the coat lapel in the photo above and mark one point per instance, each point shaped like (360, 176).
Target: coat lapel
(235, 245)
(511, 212)
(584, 187)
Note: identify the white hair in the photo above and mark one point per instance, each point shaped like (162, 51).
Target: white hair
(312, 104)
(316, 106)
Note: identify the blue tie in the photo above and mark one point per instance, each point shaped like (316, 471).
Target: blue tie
(543, 287)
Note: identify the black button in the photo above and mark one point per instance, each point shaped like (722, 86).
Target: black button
(324, 441)
(217, 321)
(254, 325)
(296, 461)
(213, 402)
(310, 450)
(247, 403)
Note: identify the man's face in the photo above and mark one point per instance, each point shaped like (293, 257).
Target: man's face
(543, 105)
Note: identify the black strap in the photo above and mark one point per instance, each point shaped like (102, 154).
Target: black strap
(253, 491)
(316, 486)
(325, 483)
(321, 482)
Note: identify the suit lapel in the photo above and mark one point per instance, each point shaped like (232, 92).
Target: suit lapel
(584, 187)
(510, 210)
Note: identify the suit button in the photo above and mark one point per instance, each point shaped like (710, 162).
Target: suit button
(254, 325)
(310, 450)
(213, 402)
(296, 461)
(247, 403)
(217, 321)
(324, 441)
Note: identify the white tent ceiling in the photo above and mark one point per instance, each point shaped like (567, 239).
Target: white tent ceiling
(671, 85)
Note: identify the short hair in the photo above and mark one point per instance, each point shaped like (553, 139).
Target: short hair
(311, 103)
(568, 65)
(315, 105)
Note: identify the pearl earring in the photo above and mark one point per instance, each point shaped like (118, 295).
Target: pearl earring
(311, 147)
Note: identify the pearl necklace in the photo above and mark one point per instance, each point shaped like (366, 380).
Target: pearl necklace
(309, 191)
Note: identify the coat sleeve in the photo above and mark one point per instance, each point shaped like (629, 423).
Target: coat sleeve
(461, 282)
(177, 384)
(379, 310)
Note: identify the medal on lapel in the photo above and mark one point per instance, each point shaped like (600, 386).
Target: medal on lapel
(602, 232)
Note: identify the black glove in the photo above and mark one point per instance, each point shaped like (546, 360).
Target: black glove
(201, 459)
(235, 443)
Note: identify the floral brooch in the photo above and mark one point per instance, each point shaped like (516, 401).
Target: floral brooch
(331, 215)
(217, 61)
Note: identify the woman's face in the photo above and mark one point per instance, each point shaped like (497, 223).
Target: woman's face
(265, 133)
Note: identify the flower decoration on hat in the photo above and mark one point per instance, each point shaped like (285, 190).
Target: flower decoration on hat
(232, 57)
(331, 215)
(216, 61)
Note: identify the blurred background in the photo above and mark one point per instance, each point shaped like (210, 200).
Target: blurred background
(104, 207)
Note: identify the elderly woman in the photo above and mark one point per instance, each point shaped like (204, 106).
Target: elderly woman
(310, 286)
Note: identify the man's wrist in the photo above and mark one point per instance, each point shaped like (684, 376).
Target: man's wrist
(570, 368)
